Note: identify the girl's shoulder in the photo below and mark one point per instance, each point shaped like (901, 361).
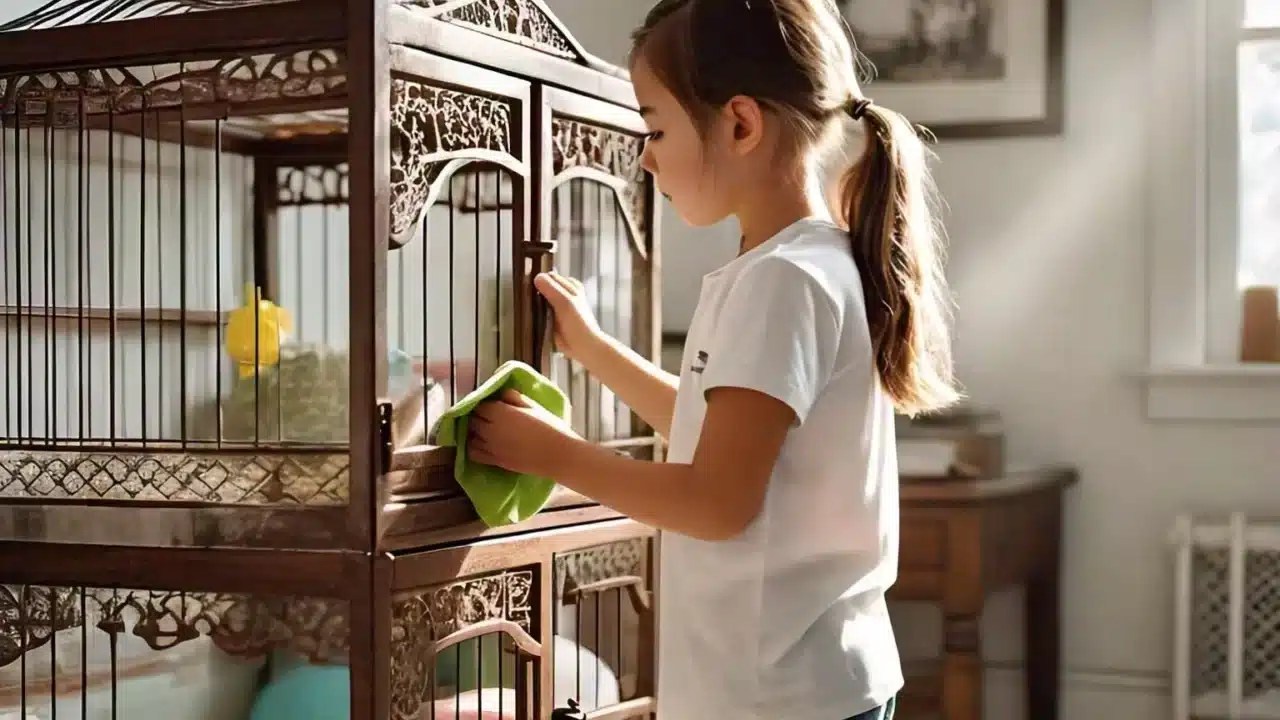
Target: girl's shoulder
(819, 253)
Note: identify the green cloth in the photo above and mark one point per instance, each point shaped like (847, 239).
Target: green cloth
(500, 496)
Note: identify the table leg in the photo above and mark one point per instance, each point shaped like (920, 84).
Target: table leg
(962, 681)
(1043, 631)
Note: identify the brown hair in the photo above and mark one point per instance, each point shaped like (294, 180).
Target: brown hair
(795, 58)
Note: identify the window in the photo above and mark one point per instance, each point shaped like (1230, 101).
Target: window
(1259, 121)
(1215, 206)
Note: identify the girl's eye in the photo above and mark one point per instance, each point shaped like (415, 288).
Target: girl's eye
(655, 135)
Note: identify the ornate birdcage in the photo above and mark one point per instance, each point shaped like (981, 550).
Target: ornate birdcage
(251, 250)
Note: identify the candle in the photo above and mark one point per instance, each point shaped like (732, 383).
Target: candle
(1260, 325)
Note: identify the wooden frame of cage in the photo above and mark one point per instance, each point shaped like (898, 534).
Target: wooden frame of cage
(404, 534)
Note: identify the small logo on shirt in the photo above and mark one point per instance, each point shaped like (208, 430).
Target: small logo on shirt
(699, 362)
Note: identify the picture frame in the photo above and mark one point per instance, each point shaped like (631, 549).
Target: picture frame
(964, 68)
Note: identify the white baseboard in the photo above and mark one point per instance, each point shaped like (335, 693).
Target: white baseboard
(1087, 694)
(1103, 679)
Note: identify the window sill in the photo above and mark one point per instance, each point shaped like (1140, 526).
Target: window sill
(1239, 393)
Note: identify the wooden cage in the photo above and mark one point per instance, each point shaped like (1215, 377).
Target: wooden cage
(219, 493)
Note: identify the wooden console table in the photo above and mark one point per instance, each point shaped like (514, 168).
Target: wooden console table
(963, 540)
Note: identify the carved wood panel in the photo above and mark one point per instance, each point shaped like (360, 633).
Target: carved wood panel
(61, 13)
(241, 625)
(526, 22)
(61, 99)
(426, 621)
(583, 150)
(434, 131)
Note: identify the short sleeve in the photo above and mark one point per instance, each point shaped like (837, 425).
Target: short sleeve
(777, 333)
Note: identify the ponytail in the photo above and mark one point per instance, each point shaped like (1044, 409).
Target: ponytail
(886, 201)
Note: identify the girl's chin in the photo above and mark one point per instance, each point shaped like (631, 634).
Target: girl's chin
(692, 217)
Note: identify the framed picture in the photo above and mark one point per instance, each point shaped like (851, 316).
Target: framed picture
(965, 68)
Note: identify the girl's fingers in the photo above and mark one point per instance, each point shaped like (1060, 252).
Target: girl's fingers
(513, 397)
(565, 283)
(557, 294)
(547, 285)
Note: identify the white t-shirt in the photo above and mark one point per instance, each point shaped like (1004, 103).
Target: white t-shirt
(788, 620)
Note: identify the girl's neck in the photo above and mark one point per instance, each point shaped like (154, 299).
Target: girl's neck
(769, 209)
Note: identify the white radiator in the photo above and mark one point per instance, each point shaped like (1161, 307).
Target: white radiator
(1227, 635)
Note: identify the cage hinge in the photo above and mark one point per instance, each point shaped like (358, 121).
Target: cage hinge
(384, 437)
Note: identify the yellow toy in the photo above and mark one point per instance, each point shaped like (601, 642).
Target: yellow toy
(274, 324)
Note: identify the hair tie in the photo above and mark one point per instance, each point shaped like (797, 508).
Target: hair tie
(858, 108)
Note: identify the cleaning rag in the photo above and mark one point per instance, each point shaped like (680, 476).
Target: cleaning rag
(501, 497)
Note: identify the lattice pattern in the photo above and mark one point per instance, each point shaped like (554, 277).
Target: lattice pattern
(241, 625)
(1210, 598)
(523, 21)
(254, 479)
(577, 145)
(237, 80)
(601, 562)
(432, 614)
(432, 127)
(1262, 623)
(314, 185)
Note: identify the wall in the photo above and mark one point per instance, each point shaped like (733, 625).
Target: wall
(1048, 261)
(82, 237)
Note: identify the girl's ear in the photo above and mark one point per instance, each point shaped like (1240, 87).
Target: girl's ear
(747, 123)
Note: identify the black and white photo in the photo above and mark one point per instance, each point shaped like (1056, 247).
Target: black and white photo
(964, 68)
(915, 40)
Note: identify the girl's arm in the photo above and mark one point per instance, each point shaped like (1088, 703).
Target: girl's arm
(646, 388)
(716, 496)
(774, 349)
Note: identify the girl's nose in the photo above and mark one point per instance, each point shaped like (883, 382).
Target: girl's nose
(647, 160)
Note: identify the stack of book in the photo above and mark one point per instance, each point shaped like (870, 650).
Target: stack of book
(962, 444)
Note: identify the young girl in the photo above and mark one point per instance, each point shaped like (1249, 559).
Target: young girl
(778, 502)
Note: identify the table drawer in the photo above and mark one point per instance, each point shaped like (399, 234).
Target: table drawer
(923, 544)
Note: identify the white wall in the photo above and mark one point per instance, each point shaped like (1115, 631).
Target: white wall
(462, 276)
(74, 213)
(1048, 260)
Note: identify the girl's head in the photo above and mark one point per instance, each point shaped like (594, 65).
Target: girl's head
(744, 95)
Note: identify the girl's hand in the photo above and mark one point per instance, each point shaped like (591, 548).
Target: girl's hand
(576, 329)
(516, 434)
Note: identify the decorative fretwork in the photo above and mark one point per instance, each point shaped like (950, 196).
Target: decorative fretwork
(60, 13)
(317, 629)
(1209, 625)
(613, 158)
(264, 479)
(579, 568)
(1261, 676)
(61, 98)
(433, 131)
(420, 619)
(522, 21)
(314, 185)
(241, 625)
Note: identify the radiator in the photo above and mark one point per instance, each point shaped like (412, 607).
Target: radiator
(1227, 635)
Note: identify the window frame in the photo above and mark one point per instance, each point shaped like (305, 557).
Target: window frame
(1192, 230)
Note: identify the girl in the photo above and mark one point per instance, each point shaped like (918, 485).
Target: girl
(778, 502)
